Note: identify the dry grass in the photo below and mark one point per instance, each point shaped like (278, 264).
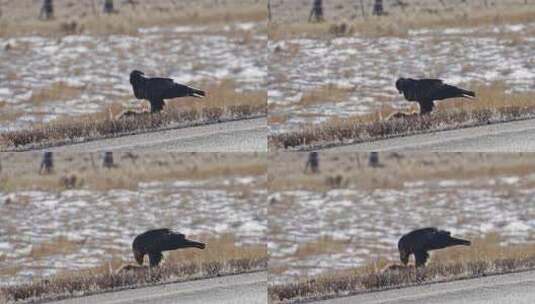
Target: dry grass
(56, 91)
(221, 257)
(323, 245)
(60, 245)
(218, 250)
(326, 93)
(79, 17)
(492, 105)
(399, 25)
(484, 257)
(277, 119)
(19, 172)
(223, 103)
(224, 94)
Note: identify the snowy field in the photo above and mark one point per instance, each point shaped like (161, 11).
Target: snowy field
(91, 227)
(365, 225)
(368, 67)
(44, 78)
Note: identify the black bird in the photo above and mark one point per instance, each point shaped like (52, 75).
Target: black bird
(420, 241)
(155, 90)
(426, 91)
(154, 242)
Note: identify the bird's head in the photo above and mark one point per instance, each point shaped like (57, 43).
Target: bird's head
(404, 256)
(400, 84)
(139, 257)
(135, 75)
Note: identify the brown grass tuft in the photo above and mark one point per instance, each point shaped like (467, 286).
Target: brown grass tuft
(326, 93)
(323, 245)
(59, 245)
(56, 91)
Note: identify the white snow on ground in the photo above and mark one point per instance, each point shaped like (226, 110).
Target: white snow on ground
(100, 66)
(369, 67)
(371, 222)
(104, 223)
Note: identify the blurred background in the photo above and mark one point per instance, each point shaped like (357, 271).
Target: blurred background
(63, 59)
(343, 63)
(345, 212)
(61, 214)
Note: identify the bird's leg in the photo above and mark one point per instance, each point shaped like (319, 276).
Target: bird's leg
(156, 106)
(426, 107)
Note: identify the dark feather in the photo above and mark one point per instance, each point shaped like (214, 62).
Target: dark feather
(426, 91)
(156, 90)
(154, 242)
(420, 241)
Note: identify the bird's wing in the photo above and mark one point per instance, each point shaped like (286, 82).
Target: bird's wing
(178, 90)
(431, 82)
(427, 88)
(156, 87)
(154, 239)
(170, 241)
(429, 237)
(438, 240)
(448, 91)
(162, 79)
(176, 235)
(181, 90)
(170, 236)
(155, 258)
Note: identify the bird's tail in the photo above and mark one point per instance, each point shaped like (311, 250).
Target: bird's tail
(197, 93)
(467, 93)
(195, 244)
(455, 241)
(463, 93)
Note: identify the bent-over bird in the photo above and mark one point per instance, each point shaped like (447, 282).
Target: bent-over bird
(420, 241)
(154, 242)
